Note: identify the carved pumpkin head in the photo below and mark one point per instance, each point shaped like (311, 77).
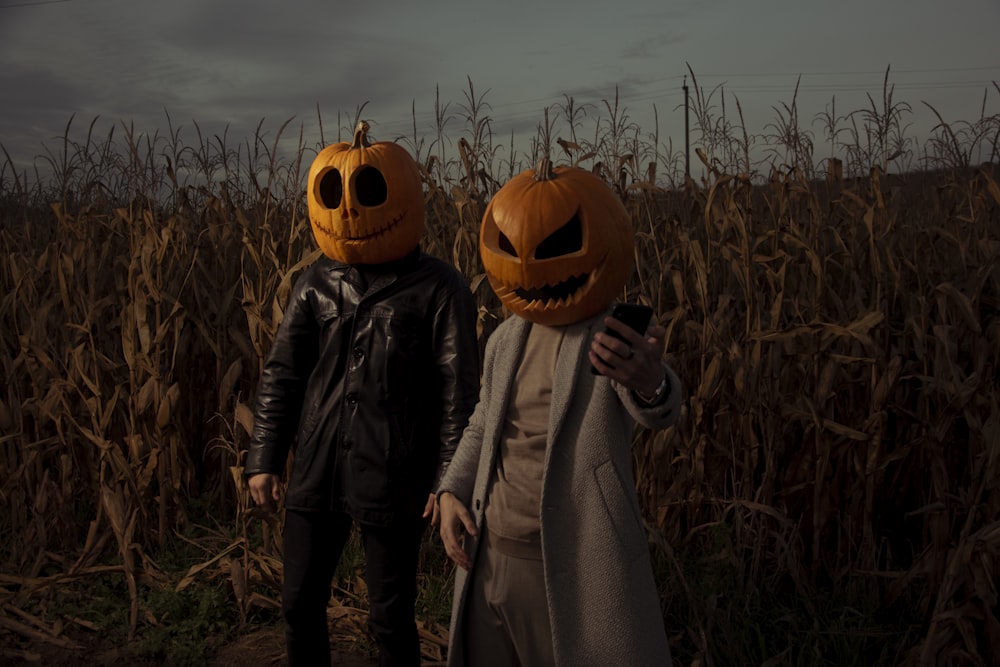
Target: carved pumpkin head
(366, 202)
(557, 244)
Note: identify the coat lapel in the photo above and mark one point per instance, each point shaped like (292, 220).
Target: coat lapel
(570, 364)
(505, 370)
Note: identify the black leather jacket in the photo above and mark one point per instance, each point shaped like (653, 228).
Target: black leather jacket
(373, 373)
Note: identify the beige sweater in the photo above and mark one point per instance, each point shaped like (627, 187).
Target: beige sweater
(512, 506)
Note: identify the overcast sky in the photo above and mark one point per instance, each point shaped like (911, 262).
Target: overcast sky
(218, 63)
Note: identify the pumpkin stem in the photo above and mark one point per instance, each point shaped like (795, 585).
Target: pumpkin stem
(361, 135)
(544, 171)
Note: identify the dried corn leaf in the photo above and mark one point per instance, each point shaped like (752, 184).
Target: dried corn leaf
(244, 417)
(229, 380)
(194, 570)
(844, 430)
(150, 388)
(237, 575)
(167, 404)
(965, 307)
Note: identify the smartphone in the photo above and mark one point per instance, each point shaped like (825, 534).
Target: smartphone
(636, 315)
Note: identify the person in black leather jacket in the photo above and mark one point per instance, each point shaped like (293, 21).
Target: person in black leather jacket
(373, 373)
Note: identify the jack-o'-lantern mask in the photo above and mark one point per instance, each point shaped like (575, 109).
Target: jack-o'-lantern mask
(366, 201)
(557, 244)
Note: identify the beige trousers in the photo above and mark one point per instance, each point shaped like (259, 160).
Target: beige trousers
(507, 616)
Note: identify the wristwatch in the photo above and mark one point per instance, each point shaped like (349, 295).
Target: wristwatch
(657, 395)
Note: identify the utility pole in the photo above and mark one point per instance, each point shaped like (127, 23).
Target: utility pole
(687, 133)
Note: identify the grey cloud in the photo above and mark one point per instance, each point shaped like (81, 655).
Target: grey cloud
(651, 47)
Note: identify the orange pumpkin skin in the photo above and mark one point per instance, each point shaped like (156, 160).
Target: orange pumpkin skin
(557, 245)
(366, 201)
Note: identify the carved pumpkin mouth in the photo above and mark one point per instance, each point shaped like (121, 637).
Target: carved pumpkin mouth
(562, 290)
(565, 293)
(361, 238)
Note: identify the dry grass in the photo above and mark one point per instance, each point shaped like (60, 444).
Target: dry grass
(838, 338)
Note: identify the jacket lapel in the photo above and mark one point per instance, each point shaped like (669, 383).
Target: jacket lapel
(504, 372)
(571, 363)
(507, 370)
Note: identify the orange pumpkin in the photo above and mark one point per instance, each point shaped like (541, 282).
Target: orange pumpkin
(366, 202)
(557, 244)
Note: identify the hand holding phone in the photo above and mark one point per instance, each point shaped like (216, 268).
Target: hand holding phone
(635, 315)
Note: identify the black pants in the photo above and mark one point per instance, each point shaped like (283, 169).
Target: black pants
(313, 543)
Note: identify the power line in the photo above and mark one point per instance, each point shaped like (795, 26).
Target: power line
(518, 112)
(515, 110)
(859, 73)
(32, 4)
(856, 87)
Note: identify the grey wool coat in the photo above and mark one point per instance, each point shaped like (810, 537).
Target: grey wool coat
(603, 603)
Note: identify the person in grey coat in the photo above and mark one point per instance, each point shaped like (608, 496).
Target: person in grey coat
(554, 566)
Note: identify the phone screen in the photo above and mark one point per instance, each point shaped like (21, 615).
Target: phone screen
(636, 315)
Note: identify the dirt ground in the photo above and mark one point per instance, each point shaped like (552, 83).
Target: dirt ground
(267, 649)
(262, 648)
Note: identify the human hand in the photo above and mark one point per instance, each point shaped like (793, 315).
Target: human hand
(431, 510)
(456, 523)
(634, 362)
(265, 490)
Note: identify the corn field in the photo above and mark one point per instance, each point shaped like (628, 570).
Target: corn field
(836, 330)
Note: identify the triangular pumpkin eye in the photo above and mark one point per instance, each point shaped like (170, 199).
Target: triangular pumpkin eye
(506, 245)
(331, 189)
(564, 241)
(371, 187)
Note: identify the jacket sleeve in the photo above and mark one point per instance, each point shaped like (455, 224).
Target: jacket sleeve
(460, 476)
(659, 415)
(282, 385)
(456, 351)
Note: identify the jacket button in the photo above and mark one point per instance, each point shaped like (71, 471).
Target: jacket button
(352, 398)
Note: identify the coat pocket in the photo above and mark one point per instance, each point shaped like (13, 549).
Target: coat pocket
(622, 510)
